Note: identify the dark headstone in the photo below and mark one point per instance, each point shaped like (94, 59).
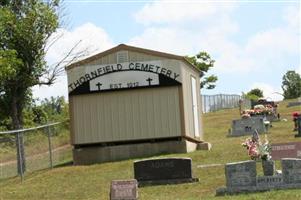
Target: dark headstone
(247, 126)
(124, 190)
(291, 170)
(286, 150)
(299, 126)
(163, 171)
(241, 174)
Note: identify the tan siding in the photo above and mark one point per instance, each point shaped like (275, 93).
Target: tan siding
(126, 115)
(136, 57)
(187, 94)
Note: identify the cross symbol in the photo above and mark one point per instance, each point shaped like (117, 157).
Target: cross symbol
(98, 85)
(149, 81)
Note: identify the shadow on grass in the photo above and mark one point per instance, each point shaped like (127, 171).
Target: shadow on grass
(64, 164)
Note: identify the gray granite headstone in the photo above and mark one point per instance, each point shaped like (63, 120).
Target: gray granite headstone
(124, 190)
(247, 126)
(297, 103)
(291, 170)
(163, 171)
(241, 174)
(272, 117)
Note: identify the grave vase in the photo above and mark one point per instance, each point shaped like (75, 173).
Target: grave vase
(268, 167)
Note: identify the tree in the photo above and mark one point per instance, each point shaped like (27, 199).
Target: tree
(25, 27)
(25, 30)
(255, 92)
(291, 85)
(204, 62)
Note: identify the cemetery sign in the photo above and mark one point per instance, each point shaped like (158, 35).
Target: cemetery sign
(128, 75)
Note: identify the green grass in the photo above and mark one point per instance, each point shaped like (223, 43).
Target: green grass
(93, 182)
(36, 151)
(35, 142)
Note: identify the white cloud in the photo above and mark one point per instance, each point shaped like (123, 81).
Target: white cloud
(273, 43)
(269, 91)
(92, 38)
(165, 11)
(171, 39)
(292, 16)
(59, 88)
(211, 28)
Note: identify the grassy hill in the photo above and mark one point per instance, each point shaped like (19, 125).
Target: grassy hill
(93, 182)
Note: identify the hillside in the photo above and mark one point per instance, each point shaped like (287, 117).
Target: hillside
(93, 182)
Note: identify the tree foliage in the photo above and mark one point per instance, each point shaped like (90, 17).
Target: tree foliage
(25, 27)
(204, 63)
(291, 85)
(255, 92)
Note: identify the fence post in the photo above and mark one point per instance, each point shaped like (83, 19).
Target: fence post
(20, 154)
(49, 146)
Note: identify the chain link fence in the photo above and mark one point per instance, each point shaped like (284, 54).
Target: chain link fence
(27, 150)
(211, 103)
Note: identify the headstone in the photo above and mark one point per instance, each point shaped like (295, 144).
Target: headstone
(247, 126)
(296, 103)
(163, 171)
(241, 174)
(286, 150)
(272, 117)
(291, 170)
(124, 190)
(241, 177)
(299, 126)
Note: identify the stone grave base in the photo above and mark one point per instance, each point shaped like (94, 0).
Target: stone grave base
(98, 154)
(166, 182)
(238, 190)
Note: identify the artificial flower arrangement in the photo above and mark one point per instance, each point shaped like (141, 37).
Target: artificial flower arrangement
(256, 149)
(258, 110)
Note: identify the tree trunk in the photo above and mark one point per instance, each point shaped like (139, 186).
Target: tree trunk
(16, 115)
(17, 124)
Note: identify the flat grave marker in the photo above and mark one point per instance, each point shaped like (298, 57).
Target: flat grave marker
(163, 171)
(286, 150)
(124, 190)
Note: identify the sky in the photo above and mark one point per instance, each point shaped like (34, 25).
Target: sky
(253, 43)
